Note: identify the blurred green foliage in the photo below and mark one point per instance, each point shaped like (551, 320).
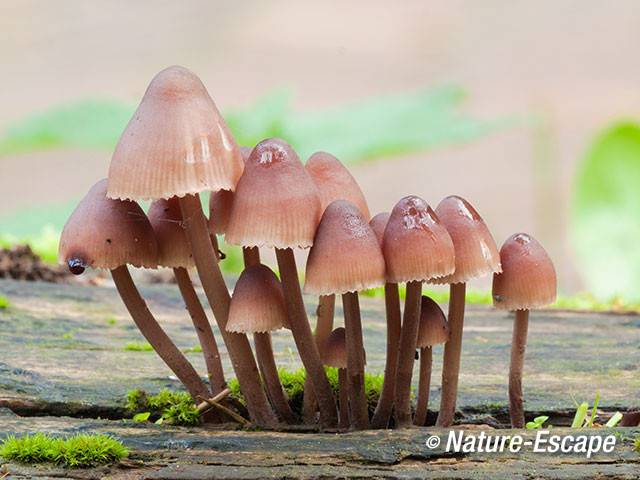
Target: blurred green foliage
(606, 213)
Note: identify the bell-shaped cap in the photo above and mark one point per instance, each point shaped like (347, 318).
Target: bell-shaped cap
(176, 143)
(378, 224)
(276, 204)
(173, 247)
(434, 328)
(106, 233)
(416, 246)
(476, 250)
(346, 255)
(334, 182)
(257, 304)
(528, 278)
(334, 351)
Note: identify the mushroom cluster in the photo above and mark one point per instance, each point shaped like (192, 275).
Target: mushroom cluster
(176, 146)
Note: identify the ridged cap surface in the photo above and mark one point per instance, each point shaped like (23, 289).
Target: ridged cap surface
(434, 328)
(476, 251)
(416, 246)
(528, 278)
(173, 247)
(335, 182)
(106, 233)
(346, 255)
(378, 224)
(276, 204)
(176, 143)
(257, 304)
(334, 352)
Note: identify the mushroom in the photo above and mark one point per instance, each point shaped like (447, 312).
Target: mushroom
(384, 408)
(476, 256)
(528, 280)
(334, 354)
(177, 144)
(258, 307)
(416, 248)
(109, 234)
(433, 330)
(277, 205)
(344, 259)
(334, 182)
(173, 252)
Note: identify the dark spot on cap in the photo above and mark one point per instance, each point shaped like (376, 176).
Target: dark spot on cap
(76, 266)
(108, 240)
(497, 297)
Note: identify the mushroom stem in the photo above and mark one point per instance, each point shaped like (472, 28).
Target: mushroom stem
(324, 326)
(155, 335)
(277, 394)
(251, 256)
(451, 359)
(420, 417)
(355, 361)
(518, 347)
(406, 353)
(343, 391)
(203, 329)
(217, 293)
(385, 404)
(303, 337)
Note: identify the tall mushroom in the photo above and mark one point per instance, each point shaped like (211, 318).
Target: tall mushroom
(277, 205)
(173, 252)
(528, 280)
(346, 258)
(334, 182)
(433, 330)
(476, 256)
(416, 248)
(258, 307)
(178, 144)
(109, 234)
(334, 354)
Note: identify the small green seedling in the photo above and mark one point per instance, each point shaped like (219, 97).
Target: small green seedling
(141, 417)
(538, 423)
(613, 421)
(167, 407)
(581, 413)
(4, 303)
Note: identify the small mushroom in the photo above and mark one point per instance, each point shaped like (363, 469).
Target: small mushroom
(528, 280)
(335, 355)
(433, 330)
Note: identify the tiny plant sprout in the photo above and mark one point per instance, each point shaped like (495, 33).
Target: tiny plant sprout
(417, 248)
(528, 280)
(277, 205)
(538, 423)
(345, 259)
(178, 144)
(258, 307)
(335, 355)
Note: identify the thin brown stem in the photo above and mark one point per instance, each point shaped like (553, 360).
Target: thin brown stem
(420, 417)
(303, 337)
(251, 256)
(355, 361)
(518, 347)
(343, 392)
(451, 359)
(155, 335)
(238, 346)
(203, 329)
(324, 326)
(406, 353)
(384, 408)
(269, 370)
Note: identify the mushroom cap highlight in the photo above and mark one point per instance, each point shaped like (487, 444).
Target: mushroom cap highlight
(335, 182)
(346, 255)
(434, 328)
(106, 233)
(276, 204)
(476, 251)
(257, 304)
(416, 245)
(334, 351)
(378, 224)
(176, 143)
(173, 247)
(528, 278)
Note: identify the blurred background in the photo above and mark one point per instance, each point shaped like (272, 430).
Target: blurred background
(527, 109)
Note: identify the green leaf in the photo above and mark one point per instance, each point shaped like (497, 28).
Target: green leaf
(581, 412)
(613, 421)
(605, 213)
(141, 417)
(531, 425)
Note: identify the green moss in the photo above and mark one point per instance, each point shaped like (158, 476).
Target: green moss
(196, 349)
(174, 408)
(81, 450)
(138, 347)
(4, 303)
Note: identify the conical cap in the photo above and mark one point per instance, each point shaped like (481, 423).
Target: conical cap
(434, 328)
(334, 352)
(378, 224)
